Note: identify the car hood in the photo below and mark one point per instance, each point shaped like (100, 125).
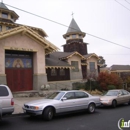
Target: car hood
(107, 97)
(40, 101)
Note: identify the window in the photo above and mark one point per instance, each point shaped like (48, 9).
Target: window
(73, 36)
(125, 92)
(67, 37)
(69, 95)
(3, 91)
(53, 72)
(0, 28)
(80, 36)
(92, 66)
(12, 18)
(81, 95)
(76, 66)
(7, 27)
(4, 15)
(62, 72)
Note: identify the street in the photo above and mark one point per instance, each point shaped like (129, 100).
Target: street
(105, 118)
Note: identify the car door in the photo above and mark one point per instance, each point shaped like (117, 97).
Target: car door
(67, 103)
(81, 101)
(126, 96)
(120, 98)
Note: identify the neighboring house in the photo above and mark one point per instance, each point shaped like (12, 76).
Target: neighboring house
(122, 71)
(29, 61)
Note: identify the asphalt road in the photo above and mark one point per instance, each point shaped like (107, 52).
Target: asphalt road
(103, 119)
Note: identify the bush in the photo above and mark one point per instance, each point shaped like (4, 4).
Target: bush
(78, 86)
(111, 87)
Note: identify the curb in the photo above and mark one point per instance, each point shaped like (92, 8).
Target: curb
(14, 115)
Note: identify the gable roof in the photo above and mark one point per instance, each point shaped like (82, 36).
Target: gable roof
(41, 31)
(56, 59)
(120, 68)
(91, 55)
(53, 61)
(49, 47)
(66, 55)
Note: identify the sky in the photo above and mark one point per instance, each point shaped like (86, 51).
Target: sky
(106, 19)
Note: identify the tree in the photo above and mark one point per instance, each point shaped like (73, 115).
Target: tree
(105, 79)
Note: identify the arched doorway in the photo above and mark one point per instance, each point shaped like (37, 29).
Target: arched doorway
(19, 70)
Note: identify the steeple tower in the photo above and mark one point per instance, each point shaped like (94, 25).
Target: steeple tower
(7, 15)
(74, 39)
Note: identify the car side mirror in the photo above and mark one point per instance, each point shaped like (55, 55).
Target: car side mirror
(119, 94)
(64, 98)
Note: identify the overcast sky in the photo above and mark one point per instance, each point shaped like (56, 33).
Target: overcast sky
(106, 19)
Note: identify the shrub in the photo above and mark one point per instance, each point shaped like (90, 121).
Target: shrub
(111, 87)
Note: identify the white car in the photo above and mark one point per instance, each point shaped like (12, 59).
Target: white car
(115, 97)
(62, 102)
(6, 101)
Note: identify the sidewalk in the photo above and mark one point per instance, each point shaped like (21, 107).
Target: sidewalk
(19, 102)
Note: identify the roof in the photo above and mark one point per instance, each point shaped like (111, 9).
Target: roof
(91, 55)
(41, 31)
(2, 5)
(56, 63)
(66, 55)
(56, 59)
(120, 68)
(49, 47)
(53, 61)
(73, 27)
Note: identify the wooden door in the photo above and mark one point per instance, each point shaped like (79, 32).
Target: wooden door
(19, 79)
(19, 71)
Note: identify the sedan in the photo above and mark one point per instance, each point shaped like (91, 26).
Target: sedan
(115, 97)
(62, 102)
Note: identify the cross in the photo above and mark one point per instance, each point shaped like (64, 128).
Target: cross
(72, 14)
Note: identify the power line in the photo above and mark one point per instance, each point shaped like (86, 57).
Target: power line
(122, 5)
(66, 26)
(127, 2)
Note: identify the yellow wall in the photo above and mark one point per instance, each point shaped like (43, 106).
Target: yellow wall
(75, 58)
(92, 59)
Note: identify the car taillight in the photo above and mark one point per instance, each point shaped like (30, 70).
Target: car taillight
(12, 101)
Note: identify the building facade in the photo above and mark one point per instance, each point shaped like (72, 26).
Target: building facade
(22, 53)
(29, 61)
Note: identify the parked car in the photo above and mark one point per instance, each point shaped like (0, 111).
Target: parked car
(115, 97)
(62, 102)
(6, 101)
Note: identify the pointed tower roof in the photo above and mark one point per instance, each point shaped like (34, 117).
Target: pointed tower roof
(73, 27)
(2, 5)
(13, 16)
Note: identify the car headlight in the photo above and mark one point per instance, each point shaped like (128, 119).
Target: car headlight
(34, 107)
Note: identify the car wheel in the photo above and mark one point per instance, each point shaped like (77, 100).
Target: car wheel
(114, 103)
(129, 102)
(91, 108)
(48, 113)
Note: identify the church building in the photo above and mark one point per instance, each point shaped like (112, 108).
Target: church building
(30, 62)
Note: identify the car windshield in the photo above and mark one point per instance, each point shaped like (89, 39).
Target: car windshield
(111, 93)
(55, 95)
